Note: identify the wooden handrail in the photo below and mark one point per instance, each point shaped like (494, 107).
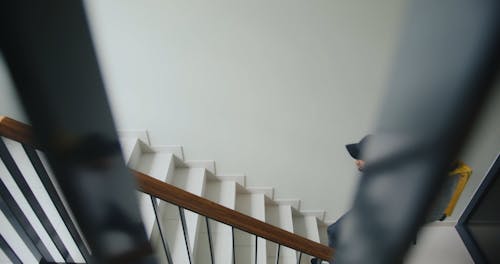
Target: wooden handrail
(17, 131)
(230, 217)
(22, 133)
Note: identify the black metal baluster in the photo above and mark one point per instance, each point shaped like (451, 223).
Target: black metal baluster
(8, 251)
(21, 183)
(209, 240)
(278, 254)
(299, 258)
(408, 161)
(160, 229)
(256, 239)
(186, 235)
(57, 201)
(22, 226)
(234, 250)
(71, 117)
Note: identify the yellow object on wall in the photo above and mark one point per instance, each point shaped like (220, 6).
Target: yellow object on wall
(463, 172)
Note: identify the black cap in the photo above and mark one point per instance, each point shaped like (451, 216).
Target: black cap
(356, 148)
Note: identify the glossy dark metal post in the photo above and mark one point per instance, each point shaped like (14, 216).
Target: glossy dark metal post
(209, 236)
(232, 242)
(22, 226)
(256, 251)
(56, 200)
(483, 197)
(48, 49)
(9, 252)
(185, 232)
(278, 254)
(447, 63)
(164, 241)
(21, 183)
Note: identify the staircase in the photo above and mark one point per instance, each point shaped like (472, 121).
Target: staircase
(167, 163)
(236, 223)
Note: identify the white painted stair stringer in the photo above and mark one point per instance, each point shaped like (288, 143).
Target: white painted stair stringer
(142, 135)
(267, 191)
(251, 203)
(280, 215)
(306, 226)
(128, 146)
(223, 193)
(288, 210)
(192, 180)
(167, 163)
(157, 165)
(160, 162)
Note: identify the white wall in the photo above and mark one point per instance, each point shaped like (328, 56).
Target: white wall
(9, 103)
(438, 244)
(270, 88)
(482, 148)
(273, 89)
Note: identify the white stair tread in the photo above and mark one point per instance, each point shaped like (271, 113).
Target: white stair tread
(166, 163)
(161, 167)
(191, 180)
(280, 216)
(252, 204)
(306, 226)
(174, 149)
(158, 165)
(209, 165)
(294, 203)
(268, 191)
(223, 193)
(238, 178)
(323, 236)
(127, 144)
(142, 135)
(135, 155)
